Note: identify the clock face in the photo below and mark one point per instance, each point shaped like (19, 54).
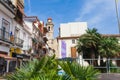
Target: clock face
(49, 20)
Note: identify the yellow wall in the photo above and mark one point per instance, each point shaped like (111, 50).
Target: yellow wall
(11, 51)
(16, 50)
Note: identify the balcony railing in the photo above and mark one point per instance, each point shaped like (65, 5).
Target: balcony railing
(21, 2)
(4, 35)
(26, 47)
(9, 5)
(18, 42)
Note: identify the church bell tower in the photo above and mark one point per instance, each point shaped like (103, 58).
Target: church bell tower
(50, 34)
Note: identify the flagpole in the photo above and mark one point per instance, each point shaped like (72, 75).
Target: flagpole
(117, 15)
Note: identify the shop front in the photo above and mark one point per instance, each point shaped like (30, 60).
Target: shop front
(15, 53)
(4, 50)
(5, 62)
(21, 57)
(9, 62)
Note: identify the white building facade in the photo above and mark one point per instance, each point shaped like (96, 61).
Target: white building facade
(27, 37)
(34, 36)
(67, 40)
(7, 15)
(72, 29)
(29, 33)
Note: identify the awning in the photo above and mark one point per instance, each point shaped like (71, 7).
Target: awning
(7, 57)
(25, 56)
(18, 51)
(21, 56)
(16, 55)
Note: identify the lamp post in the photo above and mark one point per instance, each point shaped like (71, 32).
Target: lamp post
(117, 15)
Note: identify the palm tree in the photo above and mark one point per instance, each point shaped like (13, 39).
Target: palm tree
(109, 47)
(73, 71)
(47, 69)
(88, 44)
(44, 69)
(92, 44)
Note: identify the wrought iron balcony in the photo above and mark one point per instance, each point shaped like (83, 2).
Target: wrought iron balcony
(18, 42)
(5, 36)
(8, 4)
(21, 2)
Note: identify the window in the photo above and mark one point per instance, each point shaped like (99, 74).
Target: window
(49, 28)
(24, 35)
(52, 41)
(5, 25)
(5, 29)
(17, 32)
(73, 41)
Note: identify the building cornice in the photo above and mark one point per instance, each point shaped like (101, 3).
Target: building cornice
(110, 35)
(71, 37)
(10, 6)
(75, 37)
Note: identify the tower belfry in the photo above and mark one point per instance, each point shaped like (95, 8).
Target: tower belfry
(50, 33)
(52, 42)
(50, 27)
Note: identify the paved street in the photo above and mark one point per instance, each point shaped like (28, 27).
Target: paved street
(107, 76)
(1, 78)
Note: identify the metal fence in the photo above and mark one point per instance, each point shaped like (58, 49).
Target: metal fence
(111, 65)
(105, 65)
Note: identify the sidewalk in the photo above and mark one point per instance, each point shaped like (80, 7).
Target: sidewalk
(109, 76)
(1, 78)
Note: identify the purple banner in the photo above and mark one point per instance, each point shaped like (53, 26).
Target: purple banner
(63, 49)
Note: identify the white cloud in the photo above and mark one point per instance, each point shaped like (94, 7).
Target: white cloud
(29, 5)
(89, 6)
(96, 11)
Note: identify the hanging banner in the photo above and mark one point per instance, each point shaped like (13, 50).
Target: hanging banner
(63, 49)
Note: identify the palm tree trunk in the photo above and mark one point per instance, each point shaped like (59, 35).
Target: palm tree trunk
(93, 57)
(102, 64)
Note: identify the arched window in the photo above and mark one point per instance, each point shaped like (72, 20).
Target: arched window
(49, 28)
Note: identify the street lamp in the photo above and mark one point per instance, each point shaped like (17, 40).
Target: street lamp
(117, 15)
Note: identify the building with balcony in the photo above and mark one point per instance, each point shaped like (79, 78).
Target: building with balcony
(45, 46)
(27, 44)
(17, 36)
(11, 29)
(17, 32)
(7, 14)
(36, 29)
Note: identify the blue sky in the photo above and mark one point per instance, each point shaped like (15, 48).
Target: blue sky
(100, 14)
